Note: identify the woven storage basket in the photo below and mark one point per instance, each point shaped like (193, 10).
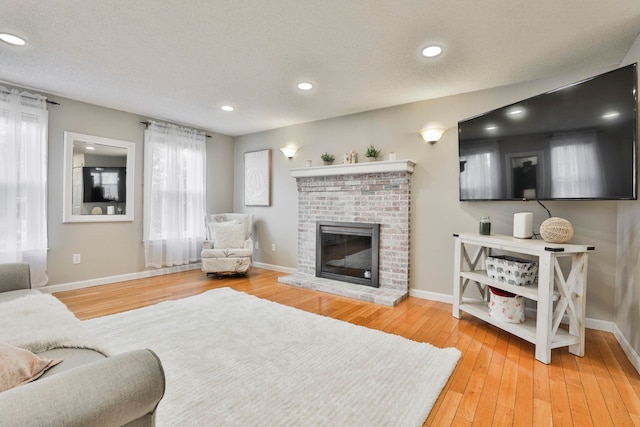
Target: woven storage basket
(556, 230)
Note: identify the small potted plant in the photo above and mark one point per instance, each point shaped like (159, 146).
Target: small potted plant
(372, 153)
(328, 158)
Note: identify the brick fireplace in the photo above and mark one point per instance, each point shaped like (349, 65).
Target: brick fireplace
(375, 192)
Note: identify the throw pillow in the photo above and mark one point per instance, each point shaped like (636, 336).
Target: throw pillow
(211, 228)
(19, 366)
(228, 235)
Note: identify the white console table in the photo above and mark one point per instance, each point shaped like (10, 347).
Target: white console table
(556, 295)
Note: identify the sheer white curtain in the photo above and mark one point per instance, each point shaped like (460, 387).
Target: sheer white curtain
(575, 165)
(481, 176)
(23, 181)
(174, 194)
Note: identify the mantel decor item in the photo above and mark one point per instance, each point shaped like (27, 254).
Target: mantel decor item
(350, 158)
(327, 158)
(556, 230)
(372, 153)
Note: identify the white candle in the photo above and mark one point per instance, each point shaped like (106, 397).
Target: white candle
(523, 225)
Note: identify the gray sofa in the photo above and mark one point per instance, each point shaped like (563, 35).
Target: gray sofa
(87, 388)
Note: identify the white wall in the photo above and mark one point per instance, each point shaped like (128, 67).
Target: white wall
(110, 249)
(627, 298)
(436, 212)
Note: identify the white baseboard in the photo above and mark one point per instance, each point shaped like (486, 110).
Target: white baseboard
(431, 296)
(119, 278)
(596, 324)
(272, 267)
(143, 274)
(632, 355)
(599, 325)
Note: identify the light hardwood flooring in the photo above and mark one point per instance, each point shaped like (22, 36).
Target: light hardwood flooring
(496, 382)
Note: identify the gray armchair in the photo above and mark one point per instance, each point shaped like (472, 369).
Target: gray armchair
(228, 248)
(14, 276)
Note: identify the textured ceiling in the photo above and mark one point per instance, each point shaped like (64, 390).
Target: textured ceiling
(181, 60)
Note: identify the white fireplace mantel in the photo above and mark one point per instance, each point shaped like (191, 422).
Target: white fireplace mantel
(355, 168)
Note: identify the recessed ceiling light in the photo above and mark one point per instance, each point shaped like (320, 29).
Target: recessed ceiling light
(431, 51)
(89, 147)
(610, 115)
(11, 39)
(227, 108)
(491, 127)
(305, 86)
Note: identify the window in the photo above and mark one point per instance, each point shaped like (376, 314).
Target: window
(174, 194)
(23, 181)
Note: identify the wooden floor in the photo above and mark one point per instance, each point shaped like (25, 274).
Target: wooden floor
(496, 382)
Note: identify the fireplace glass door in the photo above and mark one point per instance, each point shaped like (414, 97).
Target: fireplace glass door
(348, 252)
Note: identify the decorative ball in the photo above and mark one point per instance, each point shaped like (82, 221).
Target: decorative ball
(556, 230)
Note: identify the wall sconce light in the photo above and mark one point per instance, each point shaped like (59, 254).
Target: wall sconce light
(431, 135)
(289, 152)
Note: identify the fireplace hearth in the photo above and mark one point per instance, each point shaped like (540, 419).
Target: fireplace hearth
(348, 251)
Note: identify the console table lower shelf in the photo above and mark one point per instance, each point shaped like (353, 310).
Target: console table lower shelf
(526, 330)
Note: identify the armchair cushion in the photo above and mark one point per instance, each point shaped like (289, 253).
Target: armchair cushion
(226, 253)
(228, 235)
(19, 366)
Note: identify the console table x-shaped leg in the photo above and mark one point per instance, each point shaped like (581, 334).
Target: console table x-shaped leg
(571, 302)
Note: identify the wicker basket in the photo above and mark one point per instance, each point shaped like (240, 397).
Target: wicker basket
(514, 271)
(556, 230)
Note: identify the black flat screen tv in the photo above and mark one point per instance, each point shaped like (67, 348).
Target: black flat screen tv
(578, 142)
(104, 184)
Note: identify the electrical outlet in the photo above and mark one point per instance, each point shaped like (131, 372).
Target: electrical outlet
(257, 245)
(273, 247)
(76, 258)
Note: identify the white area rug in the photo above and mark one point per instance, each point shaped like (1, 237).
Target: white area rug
(233, 359)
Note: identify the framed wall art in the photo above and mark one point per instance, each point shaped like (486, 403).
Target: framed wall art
(257, 178)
